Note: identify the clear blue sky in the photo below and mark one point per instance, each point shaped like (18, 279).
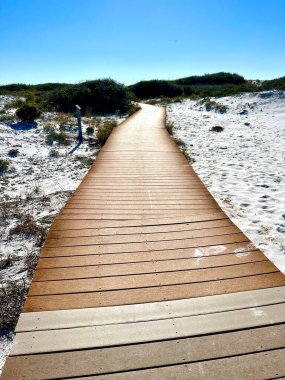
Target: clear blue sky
(129, 40)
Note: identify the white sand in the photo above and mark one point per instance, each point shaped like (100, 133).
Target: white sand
(244, 165)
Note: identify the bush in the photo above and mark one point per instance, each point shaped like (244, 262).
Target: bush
(104, 131)
(60, 137)
(156, 89)
(217, 128)
(217, 107)
(213, 79)
(89, 130)
(28, 113)
(153, 102)
(170, 128)
(100, 96)
(13, 152)
(4, 164)
(133, 109)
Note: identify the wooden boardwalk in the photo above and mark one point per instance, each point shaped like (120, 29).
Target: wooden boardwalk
(142, 276)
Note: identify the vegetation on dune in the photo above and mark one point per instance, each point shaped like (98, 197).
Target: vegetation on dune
(133, 109)
(28, 113)
(102, 96)
(155, 89)
(106, 96)
(104, 131)
(60, 137)
(4, 164)
(274, 84)
(219, 84)
(90, 130)
(212, 79)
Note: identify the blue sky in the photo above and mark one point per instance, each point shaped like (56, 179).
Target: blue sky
(130, 40)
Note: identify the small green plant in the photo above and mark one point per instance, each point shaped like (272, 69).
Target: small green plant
(51, 137)
(179, 142)
(4, 164)
(133, 109)
(153, 102)
(13, 152)
(28, 113)
(104, 131)
(190, 159)
(60, 137)
(212, 105)
(170, 128)
(90, 130)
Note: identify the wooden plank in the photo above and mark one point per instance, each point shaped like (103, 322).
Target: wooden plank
(51, 320)
(143, 246)
(183, 270)
(262, 365)
(143, 356)
(139, 238)
(157, 261)
(143, 295)
(139, 230)
(67, 225)
(94, 279)
(128, 333)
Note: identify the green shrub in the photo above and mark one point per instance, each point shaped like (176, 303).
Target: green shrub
(179, 142)
(217, 107)
(60, 137)
(190, 159)
(4, 164)
(104, 131)
(170, 128)
(156, 89)
(133, 109)
(13, 152)
(100, 96)
(152, 102)
(212, 79)
(90, 130)
(28, 113)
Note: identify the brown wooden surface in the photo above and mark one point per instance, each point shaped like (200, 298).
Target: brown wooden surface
(142, 228)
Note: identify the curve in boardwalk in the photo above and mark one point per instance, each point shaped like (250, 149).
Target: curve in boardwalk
(143, 276)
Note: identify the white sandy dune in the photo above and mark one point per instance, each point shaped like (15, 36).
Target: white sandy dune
(244, 165)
